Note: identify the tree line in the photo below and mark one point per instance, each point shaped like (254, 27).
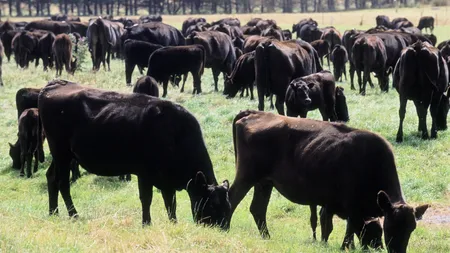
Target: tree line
(173, 7)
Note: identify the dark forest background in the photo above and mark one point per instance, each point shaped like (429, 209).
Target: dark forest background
(174, 7)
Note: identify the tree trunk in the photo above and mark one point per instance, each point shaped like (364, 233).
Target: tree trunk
(18, 9)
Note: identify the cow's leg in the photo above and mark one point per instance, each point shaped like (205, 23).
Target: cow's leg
(313, 219)
(421, 109)
(216, 73)
(237, 192)
(63, 167)
(23, 153)
(242, 92)
(349, 241)
(358, 74)
(326, 223)
(29, 163)
(303, 113)
(129, 68)
(279, 103)
(260, 99)
(165, 83)
(145, 194)
(345, 73)
(324, 112)
(251, 92)
(366, 78)
(434, 108)
(53, 188)
(75, 168)
(108, 59)
(36, 161)
(271, 102)
(352, 76)
(170, 201)
(197, 83)
(258, 208)
(401, 113)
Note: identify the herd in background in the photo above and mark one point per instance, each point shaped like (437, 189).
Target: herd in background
(259, 54)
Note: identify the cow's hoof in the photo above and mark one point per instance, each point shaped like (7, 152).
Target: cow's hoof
(399, 139)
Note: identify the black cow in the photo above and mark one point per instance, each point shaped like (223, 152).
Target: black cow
(426, 22)
(332, 36)
(146, 85)
(322, 47)
(250, 30)
(348, 39)
(251, 42)
(79, 27)
(26, 47)
(339, 57)
(55, 27)
(242, 77)
(277, 63)
(6, 39)
(228, 21)
(287, 35)
(31, 140)
(383, 20)
(296, 28)
(103, 35)
(150, 18)
(114, 135)
(432, 38)
(445, 50)
(442, 44)
(421, 75)
(190, 22)
(273, 32)
(137, 53)
(45, 49)
(220, 53)
(307, 155)
(309, 33)
(341, 105)
(253, 21)
(315, 91)
(156, 33)
(369, 55)
(62, 52)
(165, 63)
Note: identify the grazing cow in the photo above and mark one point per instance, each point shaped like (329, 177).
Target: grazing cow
(332, 36)
(165, 62)
(190, 22)
(296, 28)
(250, 30)
(79, 27)
(383, 20)
(26, 49)
(322, 47)
(156, 33)
(348, 39)
(62, 51)
(273, 32)
(137, 53)
(103, 35)
(146, 85)
(150, 18)
(432, 38)
(315, 91)
(369, 55)
(251, 42)
(220, 53)
(6, 39)
(309, 33)
(308, 159)
(31, 140)
(421, 75)
(277, 63)
(287, 35)
(199, 27)
(339, 57)
(242, 77)
(426, 22)
(341, 105)
(228, 21)
(55, 27)
(45, 44)
(114, 135)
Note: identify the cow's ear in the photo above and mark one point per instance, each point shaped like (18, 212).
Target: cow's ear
(11, 145)
(226, 184)
(384, 202)
(311, 85)
(420, 210)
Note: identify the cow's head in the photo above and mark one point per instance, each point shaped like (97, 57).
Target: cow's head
(371, 234)
(400, 220)
(14, 153)
(230, 88)
(301, 91)
(73, 65)
(209, 203)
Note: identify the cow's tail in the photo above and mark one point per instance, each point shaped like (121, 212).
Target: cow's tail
(239, 116)
(236, 68)
(202, 67)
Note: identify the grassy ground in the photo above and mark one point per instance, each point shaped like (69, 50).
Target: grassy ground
(110, 212)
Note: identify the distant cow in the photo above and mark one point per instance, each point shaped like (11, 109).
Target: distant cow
(339, 57)
(64, 17)
(369, 55)
(62, 51)
(55, 27)
(150, 18)
(137, 53)
(322, 47)
(332, 36)
(287, 35)
(146, 85)
(31, 141)
(165, 63)
(279, 62)
(251, 42)
(79, 27)
(190, 22)
(383, 20)
(242, 77)
(432, 38)
(273, 32)
(315, 91)
(341, 105)
(307, 160)
(156, 33)
(228, 21)
(421, 75)
(220, 53)
(45, 45)
(296, 28)
(426, 22)
(7, 38)
(148, 125)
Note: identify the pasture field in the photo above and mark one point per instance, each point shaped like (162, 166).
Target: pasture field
(110, 211)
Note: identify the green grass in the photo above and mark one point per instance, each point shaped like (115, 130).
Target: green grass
(110, 211)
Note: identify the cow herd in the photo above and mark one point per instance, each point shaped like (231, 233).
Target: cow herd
(350, 173)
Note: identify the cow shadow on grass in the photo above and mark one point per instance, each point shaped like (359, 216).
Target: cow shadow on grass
(109, 183)
(413, 139)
